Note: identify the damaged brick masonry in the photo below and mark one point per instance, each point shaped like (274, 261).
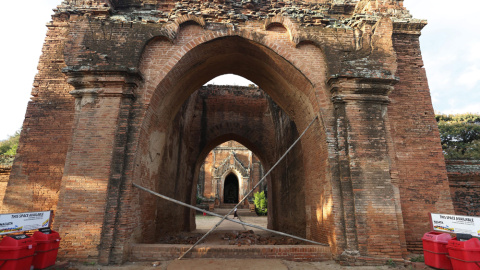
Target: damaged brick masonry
(116, 101)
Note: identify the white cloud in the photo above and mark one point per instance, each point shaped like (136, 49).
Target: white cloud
(471, 78)
(23, 32)
(471, 108)
(473, 51)
(450, 52)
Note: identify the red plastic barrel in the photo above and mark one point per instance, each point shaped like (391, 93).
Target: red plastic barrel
(435, 250)
(16, 252)
(465, 255)
(48, 242)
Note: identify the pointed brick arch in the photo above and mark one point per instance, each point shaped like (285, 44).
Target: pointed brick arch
(291, 89)
(116, 90)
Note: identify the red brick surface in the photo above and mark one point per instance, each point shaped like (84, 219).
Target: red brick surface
(416, 141)
(230, 158)
(464, 180)
(37, 172)
(145, 252)
(115, 103)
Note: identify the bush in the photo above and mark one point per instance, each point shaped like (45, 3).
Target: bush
(8, 149)
(460, 135)
(260, 203)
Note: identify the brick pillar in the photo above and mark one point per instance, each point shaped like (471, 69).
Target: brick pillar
(208, 190)
(369, 211)
(93, 174)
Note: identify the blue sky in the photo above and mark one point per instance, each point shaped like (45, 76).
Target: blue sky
(450, 46)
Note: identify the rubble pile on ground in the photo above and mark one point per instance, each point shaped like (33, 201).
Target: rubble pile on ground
(247, 238)
(180, 239)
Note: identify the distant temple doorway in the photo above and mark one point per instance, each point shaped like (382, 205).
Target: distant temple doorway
(230, 191)
(228, 173)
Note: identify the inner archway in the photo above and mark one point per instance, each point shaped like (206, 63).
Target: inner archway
(229, 167)
(183, 125)
(230, 189)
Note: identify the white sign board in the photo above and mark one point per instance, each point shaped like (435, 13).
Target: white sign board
(19, 222)
(456, 224)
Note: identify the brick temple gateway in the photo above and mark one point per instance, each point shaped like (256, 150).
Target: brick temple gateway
(229, 172)
(114, 103)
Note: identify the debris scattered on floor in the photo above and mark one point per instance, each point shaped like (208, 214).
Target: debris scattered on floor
(247, 238)
(242, 238)
(181, 238)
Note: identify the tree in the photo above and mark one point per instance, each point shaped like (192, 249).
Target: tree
(8, 149)
(260, 203)
(460, 135)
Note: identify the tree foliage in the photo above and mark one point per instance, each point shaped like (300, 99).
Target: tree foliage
(8, 149)
(260, 203)
(460, 135)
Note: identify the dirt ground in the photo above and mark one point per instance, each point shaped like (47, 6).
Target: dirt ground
(234, 264)
(223, 236)
(230, 233)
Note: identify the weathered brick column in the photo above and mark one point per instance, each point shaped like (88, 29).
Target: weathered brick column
(94, 166)
(371, 226)
(423, 181)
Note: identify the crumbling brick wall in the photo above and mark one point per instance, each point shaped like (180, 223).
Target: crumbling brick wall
(251, 114)
(114, 76)
(418, 157)
(464, 180)
(4, 175)
(46, 132)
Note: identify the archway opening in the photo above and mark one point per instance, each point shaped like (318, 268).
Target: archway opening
(230, 79)
(230, 189)
(227, 175)
(183, 124)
